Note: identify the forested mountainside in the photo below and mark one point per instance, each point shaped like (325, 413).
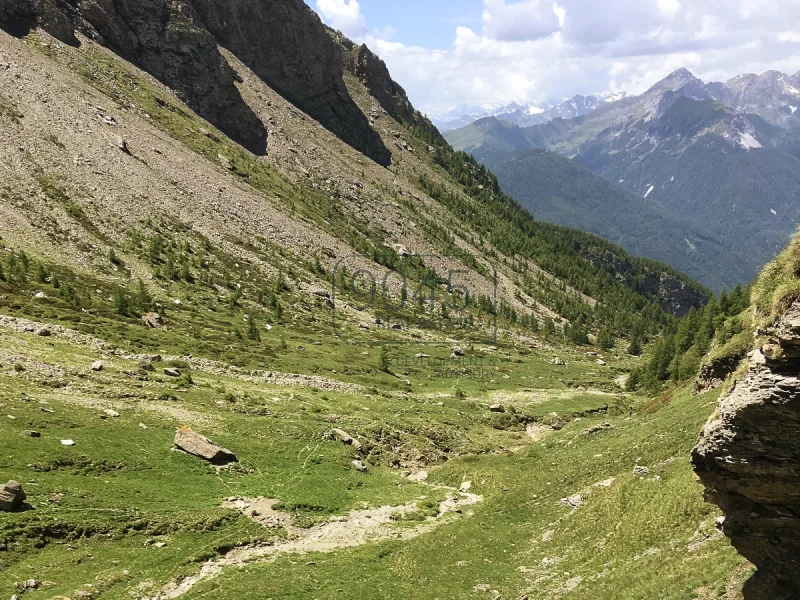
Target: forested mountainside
(721, 156)
(313, 355)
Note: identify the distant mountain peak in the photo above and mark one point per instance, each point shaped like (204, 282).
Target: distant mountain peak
(673, 81)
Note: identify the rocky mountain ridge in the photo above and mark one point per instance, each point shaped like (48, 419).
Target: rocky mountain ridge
(680, 147)
(526, 115)
(177, 43)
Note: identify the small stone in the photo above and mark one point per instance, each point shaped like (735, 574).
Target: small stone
(497, 408)
(32, 584)
(111, 413)
(456, 352)
(640, 471)
(360, 466)
(465, 487)
(172, 372)
(142, 426)
(601, 362)
(97, 366)
(32, 434)
(67, 442)
(146, 365)
(44, 332)
(122, 144)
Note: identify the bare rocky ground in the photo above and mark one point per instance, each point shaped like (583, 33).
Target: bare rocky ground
(355, 529)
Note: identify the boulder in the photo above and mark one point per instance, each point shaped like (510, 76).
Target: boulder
(172, 372)
(457, 351)
(97, 366)
(198, 445)
(346, 438)
(497, 408)
(360, 466)
(146, 365)
(153, 320)
(11, 496)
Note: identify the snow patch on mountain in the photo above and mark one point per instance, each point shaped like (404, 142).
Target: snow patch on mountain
(747, 141)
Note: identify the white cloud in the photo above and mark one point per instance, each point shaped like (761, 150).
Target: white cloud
(527, 20)
(536, 50)
(344, 15)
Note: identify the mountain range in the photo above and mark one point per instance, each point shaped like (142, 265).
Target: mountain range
(524, 115)
(720, 156)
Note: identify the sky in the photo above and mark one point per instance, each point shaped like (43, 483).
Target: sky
(447, 53)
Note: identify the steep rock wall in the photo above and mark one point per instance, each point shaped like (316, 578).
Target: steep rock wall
(749, 460)
(286, 45)
(176, 41)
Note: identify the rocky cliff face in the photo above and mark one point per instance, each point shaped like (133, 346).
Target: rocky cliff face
(749, 460)
(285, 44)
(372, 72)
(165, 39)
(282, 41)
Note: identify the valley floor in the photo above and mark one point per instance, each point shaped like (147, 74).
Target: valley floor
(605, 507)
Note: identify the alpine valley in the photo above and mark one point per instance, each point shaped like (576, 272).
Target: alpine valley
(716, 165)
(264, 333)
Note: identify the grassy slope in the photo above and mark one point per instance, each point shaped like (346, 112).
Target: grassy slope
(121, 486)
(638, 538)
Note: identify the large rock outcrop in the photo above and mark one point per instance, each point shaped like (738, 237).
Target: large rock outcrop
(163, 38)
(374, 75)
(749, 460)
(286, 45)
(177, 41)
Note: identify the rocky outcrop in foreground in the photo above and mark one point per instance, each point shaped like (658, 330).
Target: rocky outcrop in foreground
(282, 41)
(749, 460)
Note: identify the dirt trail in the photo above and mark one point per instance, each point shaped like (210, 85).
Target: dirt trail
(357, 528)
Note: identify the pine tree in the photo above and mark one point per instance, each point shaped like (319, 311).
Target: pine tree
(253, 334)
(605, 339)
(121, 304)
(383, 361)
